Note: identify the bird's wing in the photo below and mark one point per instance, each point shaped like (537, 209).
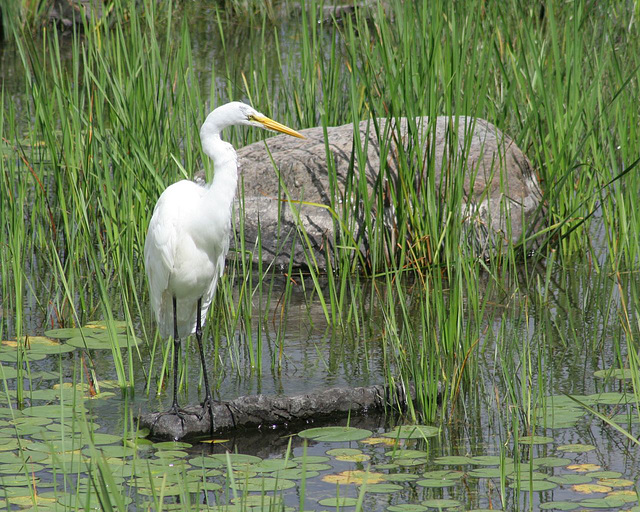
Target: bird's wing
(159, 255)
(220, 265)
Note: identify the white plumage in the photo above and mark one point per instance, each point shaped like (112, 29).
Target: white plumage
(188, 236)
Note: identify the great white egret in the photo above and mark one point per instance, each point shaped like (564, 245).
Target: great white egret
(188, 239)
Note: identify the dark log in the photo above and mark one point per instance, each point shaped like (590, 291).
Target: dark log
(260, 411)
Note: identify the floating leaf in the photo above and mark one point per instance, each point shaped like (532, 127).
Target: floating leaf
(486, 473)
(383, 488)
(453, 460)
(103, 342)
(406, 454)
(533, 485)
(266, 484)
(606, 502)
(552, 462)
(605, 474)
(335, 434)
(536, 439)
(576, 448)
(412, 432)
(311, 459)
(297, 474)
(448, 474)
(356, 477)
(616, 373)
(406, 507)
(615, 482)
(410, 462)
(442, 503)
(401, 477)
(236, 458)
(73, 332)
(339, 502)
(436, 482)
(489, 460)
(570, 479)
(379, 440)
(271, 465)
(591, 488)
(583, 468)
(558, 505)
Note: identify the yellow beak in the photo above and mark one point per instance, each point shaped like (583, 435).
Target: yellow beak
(277, 127)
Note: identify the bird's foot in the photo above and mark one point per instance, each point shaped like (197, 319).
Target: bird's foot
(174, 410)
(207, 405)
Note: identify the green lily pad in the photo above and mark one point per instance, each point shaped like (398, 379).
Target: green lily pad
(536, 439)
(570, 479)
(407, 507)
(412, 432)
(335, 434)
(271, 465)
(73, 332)
(559, 505)
(266, 484)
(486, 473)
(616, 373)
(448, 474)
(11, 356)
(384, 488)
(401, 477)
(297, 474)
(236, 458)
(436, 482)
(406, 454)
(453, 460)
(311, 459)
(410, 462)
(103, 342)
(576, 448)
(489, 460)
(533, 485)
(605, 474)
(338, 502)
(442, 503)
(552, 462)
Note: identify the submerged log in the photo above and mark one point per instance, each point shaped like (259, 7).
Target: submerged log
(502, 196)
(260, 411)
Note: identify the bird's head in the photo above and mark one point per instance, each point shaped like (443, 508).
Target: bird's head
(238, 113)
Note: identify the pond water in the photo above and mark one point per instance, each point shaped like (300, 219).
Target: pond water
(474, 457)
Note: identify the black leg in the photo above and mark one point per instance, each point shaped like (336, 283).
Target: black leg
(176, 352)
(208, 401)
(174, 409)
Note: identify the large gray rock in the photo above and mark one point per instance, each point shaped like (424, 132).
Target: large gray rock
(502, 195)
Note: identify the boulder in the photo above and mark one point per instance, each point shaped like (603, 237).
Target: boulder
(502, 196)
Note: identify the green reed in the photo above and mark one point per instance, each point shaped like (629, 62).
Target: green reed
(115, 120)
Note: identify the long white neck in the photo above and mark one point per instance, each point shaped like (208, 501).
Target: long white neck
(222, 189)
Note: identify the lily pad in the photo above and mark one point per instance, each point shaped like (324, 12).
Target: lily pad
(442, 503)
(616, 373)
(73, 332)
(266, 484)
(406, 454)
(338, 502)
(559, 505)
(412, 432)
(335, 434)
(103, 342)
(533, 485)
(576, 448)
(383, 488)
(436, 482)
(406, 507)
(536, 439)
(453, 460)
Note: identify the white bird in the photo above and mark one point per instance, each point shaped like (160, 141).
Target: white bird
(188, 239)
